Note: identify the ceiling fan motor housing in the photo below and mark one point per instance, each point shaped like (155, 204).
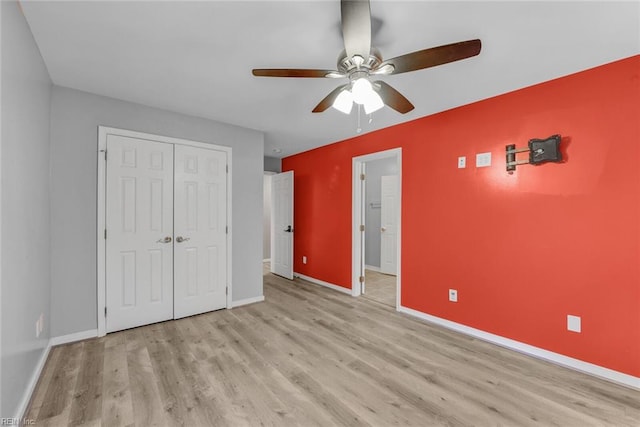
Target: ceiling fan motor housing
(348, 65)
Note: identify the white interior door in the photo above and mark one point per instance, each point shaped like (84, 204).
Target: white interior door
(389, 222)
(139, 227)
(200, 257)
(363, 222)
(282, 224)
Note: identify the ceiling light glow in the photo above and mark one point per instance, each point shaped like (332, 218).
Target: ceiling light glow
(373, 103)
(344, 102)
(364, 94)
(361, 90)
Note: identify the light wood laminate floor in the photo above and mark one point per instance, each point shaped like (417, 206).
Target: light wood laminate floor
(380, 287)
(310, 356)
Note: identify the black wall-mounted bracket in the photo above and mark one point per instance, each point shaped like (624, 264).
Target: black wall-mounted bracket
(540, 151)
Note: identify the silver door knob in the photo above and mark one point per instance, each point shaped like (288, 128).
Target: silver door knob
(383, 229)
(165, 240)
(181, 239)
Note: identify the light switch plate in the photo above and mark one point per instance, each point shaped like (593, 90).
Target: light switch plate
(574, 323)
(453, 295)
(483, 160)
(462, 162)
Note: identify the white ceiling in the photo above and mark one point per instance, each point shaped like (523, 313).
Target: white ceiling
(196, 57)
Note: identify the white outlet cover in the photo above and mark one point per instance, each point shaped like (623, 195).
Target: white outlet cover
(574, 323)
(453, 295)
(483, 160)
(304, 259)
(462, 162)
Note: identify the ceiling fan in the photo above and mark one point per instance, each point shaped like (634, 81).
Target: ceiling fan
(360, 61)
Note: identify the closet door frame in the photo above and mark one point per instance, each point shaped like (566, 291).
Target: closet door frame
(102, 155)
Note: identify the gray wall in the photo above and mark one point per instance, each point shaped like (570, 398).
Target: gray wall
(272, 164)
(375, 170)
(25, 270)
(75, 117)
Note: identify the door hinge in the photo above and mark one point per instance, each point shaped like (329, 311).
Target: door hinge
(361, 177)
(226, 290)
(362, 228)
(226, 229)
(361, 279)
(105, 233)
(227, 168)
(105, 311)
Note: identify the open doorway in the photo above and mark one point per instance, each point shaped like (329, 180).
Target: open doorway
(376, 226)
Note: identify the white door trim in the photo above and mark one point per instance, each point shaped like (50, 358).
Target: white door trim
(103, 131)
(357, 198)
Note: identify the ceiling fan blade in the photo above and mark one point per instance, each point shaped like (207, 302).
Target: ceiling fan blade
(392, 98)
(292, 72)
(433, 56)
(328, 100)
(356, 27)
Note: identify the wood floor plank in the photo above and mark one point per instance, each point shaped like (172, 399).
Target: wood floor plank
(309, 356)
(39, 393)
(87, 397)
(117, 406)
(145, 397)
(58, 397)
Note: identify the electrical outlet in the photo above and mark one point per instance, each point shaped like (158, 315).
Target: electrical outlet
(41, 320)
(304, 259)
(483, 160)
(462, 162)
(453, 295)
(38, 328)
(574, 323)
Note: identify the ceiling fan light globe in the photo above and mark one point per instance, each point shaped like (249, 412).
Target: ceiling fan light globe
(344, 102)
(362, 90)
(373, 103)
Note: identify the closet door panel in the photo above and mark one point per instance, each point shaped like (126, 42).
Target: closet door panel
(200, 229)
(139, 244)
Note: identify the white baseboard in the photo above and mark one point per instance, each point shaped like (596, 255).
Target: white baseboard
(558, 359)
(247, 301)
(33, 381)
(78, 336)
(373, 268)
(323, 283)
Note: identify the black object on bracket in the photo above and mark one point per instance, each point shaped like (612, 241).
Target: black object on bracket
(540, 151)
(545, 150)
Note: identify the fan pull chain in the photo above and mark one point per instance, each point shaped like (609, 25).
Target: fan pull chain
(359, 128)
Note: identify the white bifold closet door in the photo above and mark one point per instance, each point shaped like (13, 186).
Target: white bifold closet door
(166, 222)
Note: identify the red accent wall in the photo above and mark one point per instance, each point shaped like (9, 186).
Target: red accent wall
(523, 250)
